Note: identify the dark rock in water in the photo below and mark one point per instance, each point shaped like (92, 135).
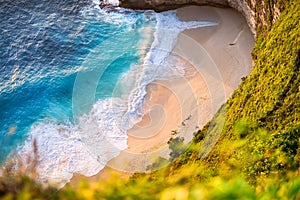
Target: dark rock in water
(113, 8)
(108, 7)
(102, 5)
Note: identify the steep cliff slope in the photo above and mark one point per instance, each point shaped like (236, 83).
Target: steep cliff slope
(262, 126)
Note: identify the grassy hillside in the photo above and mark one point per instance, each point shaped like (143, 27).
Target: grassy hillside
(257, 155)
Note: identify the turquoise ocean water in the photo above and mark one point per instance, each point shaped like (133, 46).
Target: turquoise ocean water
(73, 78)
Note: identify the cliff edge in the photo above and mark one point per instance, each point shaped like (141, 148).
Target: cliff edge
(260, 14)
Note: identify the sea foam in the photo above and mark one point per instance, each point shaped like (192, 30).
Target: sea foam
(155, 67)
(86, 146)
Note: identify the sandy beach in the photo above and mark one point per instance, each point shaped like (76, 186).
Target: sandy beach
(215, 59)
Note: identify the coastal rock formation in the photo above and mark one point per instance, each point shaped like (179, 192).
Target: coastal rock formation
(260, 14)
(162, 5)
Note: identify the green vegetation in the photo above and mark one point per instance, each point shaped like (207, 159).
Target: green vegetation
(256, 157)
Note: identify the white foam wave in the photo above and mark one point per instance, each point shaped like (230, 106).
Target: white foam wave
(109, 2)
(100, 135)
(84, 148)
(112, 2)
(167, 30)
(155, 66)
(119, 16)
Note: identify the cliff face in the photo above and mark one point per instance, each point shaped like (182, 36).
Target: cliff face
(161, 5)
(260, 14)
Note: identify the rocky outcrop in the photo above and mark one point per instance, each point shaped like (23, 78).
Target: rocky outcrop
(249, 14)
(162, 5)
(260, 14)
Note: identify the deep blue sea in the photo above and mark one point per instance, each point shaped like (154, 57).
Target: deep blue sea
(73, 78)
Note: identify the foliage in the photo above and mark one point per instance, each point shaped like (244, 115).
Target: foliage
(177, 147)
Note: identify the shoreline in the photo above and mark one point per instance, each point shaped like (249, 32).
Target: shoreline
(186, 104)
